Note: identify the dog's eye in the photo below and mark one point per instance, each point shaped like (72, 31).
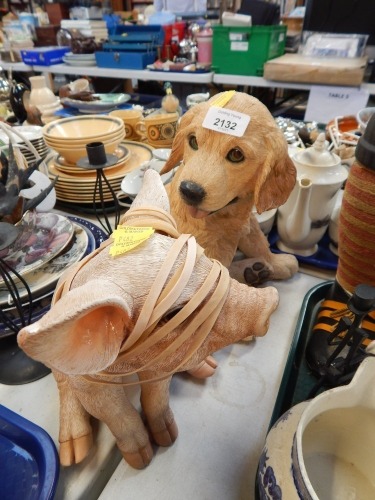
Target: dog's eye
(193, 142)
(235, 155)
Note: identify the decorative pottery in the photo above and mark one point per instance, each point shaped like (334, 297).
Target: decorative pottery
(304, 218)
(17, 92)
(324, 449)
(41, 95)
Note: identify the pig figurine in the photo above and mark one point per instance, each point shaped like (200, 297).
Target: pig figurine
(157, 309)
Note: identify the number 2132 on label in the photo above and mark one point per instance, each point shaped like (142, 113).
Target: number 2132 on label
(226, 121)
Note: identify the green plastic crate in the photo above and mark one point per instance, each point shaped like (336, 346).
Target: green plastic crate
(244, 50)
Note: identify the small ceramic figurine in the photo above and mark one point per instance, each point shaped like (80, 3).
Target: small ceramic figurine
(170, 103)
(223, 172)
(159, 308)
(356, 263)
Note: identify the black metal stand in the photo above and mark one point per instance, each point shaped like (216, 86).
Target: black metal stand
(16, 367)
(347, 339)
(98, 160)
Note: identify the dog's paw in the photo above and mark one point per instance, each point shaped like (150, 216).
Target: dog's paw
(284, 266)
(251, 271)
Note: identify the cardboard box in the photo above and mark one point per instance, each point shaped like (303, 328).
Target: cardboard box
(46, 35)
(329, 70)
(44, 56)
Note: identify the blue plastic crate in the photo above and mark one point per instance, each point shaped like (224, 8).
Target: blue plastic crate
(44, 56)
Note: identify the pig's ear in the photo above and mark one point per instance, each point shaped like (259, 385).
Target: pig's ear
(83, 332)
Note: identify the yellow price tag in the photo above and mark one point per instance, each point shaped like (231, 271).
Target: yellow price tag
(223, 99)
(128, 237)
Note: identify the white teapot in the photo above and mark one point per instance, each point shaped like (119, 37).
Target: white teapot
(304, 218)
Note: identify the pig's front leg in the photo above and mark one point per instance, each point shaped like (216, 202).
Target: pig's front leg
(155, 404)
(75, 434)
(110, 404)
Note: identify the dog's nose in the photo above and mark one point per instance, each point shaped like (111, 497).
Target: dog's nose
(192, 193)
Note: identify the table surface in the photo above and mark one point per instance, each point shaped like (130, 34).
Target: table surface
(222, 422)
(171, 76)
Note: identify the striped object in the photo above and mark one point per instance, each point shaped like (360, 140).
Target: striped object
(356, 238)
(330, 313)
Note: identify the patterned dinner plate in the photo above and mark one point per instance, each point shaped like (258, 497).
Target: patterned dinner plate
(46, 276)
(43, 236)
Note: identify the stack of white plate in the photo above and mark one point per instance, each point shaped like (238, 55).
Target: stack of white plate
(79, 59)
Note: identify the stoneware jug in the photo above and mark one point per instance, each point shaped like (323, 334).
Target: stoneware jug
(324, 449)
(304, 218)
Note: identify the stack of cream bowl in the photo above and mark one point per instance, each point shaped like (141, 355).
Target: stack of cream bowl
(69, 136)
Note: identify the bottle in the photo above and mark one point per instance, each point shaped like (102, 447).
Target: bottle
(204, 41)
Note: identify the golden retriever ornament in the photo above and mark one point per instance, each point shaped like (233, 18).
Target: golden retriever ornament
(221, 177)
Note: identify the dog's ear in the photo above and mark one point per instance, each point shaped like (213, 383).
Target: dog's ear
(177, 152)
(277, 176)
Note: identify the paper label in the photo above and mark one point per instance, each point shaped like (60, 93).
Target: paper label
(238, 37)
(128, 237)
(239, 46)
(226, 121)
(327, 102)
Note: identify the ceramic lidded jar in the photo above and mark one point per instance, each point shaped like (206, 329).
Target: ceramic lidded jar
(304, 218)
(324, 449)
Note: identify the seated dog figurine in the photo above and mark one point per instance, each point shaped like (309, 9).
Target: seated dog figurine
(222, 177)
(157, 309)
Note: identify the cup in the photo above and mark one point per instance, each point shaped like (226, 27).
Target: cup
(133, 122)
(79, 85)
(161, 129)
(193, 99)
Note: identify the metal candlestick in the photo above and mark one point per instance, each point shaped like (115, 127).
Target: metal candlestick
(98, 160)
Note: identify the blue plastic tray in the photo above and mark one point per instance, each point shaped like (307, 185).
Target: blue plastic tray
(323, 258)
(29, 466)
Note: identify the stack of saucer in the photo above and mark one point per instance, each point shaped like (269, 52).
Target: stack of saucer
(77, 185)
(32, 133)
(79, 59)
